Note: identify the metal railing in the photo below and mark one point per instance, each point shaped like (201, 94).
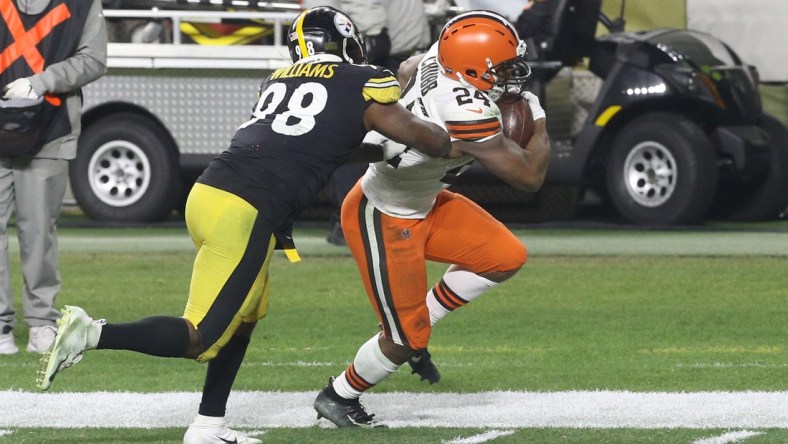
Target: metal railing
(271, 53)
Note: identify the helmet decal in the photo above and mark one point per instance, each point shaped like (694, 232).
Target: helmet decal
(344, 25)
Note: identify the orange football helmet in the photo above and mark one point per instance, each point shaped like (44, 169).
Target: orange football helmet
(482, 48)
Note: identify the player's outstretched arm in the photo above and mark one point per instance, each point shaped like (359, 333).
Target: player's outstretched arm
(400, 125)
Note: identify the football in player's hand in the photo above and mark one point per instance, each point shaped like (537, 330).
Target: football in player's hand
(518, 121)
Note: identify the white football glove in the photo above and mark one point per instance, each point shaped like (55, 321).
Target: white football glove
(391, 149)
(20, 89)
(533, 101)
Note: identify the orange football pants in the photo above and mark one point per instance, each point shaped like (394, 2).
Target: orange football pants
(391, 255)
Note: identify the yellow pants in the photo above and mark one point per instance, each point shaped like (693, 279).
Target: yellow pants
(229, 282)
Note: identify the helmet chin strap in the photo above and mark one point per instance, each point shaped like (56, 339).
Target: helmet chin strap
(463, 81)
(346, 55)
(344, 52)
(495, 93)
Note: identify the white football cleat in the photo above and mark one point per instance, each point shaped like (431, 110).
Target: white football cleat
(74, 330)
(213, 430)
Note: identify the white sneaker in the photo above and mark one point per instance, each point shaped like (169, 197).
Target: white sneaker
(76, 333)
(212, 430)
(41, 338)
(7, 344)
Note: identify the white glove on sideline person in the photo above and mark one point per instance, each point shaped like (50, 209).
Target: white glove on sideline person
(20, 89)
(533, 101)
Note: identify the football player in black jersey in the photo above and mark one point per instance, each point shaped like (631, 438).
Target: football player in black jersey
(311, 117)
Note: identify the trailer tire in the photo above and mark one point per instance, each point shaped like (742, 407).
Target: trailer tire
(126, 170)
(661, 170)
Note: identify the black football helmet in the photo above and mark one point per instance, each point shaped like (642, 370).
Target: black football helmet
(325, 30)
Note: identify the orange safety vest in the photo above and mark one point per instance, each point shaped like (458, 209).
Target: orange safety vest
(31, 43)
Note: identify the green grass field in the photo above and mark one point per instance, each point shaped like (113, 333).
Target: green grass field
(605, 336)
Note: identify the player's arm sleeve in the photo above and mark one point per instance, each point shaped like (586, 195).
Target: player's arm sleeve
(382, 87)
(475, 122)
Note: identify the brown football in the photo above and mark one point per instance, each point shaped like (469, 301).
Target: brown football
(518, 121)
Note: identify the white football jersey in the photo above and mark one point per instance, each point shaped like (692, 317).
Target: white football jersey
(406, 185)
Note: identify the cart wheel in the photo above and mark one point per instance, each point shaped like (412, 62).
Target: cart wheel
(661, 170)
(125, 171)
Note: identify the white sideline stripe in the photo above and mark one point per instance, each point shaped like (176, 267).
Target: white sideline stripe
(483, 437)
(728, 437)
(6, 432)
(595, 243)
(499, 410)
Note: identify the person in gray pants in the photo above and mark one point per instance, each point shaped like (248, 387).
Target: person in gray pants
(55, 48)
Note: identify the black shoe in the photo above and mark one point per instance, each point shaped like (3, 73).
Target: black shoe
(343, 412)
(422, 365)
(336, 236)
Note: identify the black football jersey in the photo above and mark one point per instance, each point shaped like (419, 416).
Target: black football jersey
(307, 121)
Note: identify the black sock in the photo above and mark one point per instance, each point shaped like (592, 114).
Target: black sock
(163, 336)
(221, 375)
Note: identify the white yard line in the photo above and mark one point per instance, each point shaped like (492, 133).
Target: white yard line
(731, 365)
(728, 437)
(496, 410)
(480, 438)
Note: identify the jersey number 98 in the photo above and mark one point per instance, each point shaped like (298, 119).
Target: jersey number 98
(295, 119)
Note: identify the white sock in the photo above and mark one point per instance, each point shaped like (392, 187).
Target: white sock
(457, 288)
(370, 364)
(94, 333)
(208, 421)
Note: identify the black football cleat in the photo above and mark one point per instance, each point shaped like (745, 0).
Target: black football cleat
(344, 413)
(422, 365)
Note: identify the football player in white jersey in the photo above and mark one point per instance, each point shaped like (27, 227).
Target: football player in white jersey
(400, 214)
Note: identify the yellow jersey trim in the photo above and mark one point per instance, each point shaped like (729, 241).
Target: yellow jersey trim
(382, 90)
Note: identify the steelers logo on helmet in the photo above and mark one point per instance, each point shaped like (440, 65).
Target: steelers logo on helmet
(325, 30)
(344, 25)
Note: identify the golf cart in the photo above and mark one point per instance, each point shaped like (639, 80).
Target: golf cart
(675, 132)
